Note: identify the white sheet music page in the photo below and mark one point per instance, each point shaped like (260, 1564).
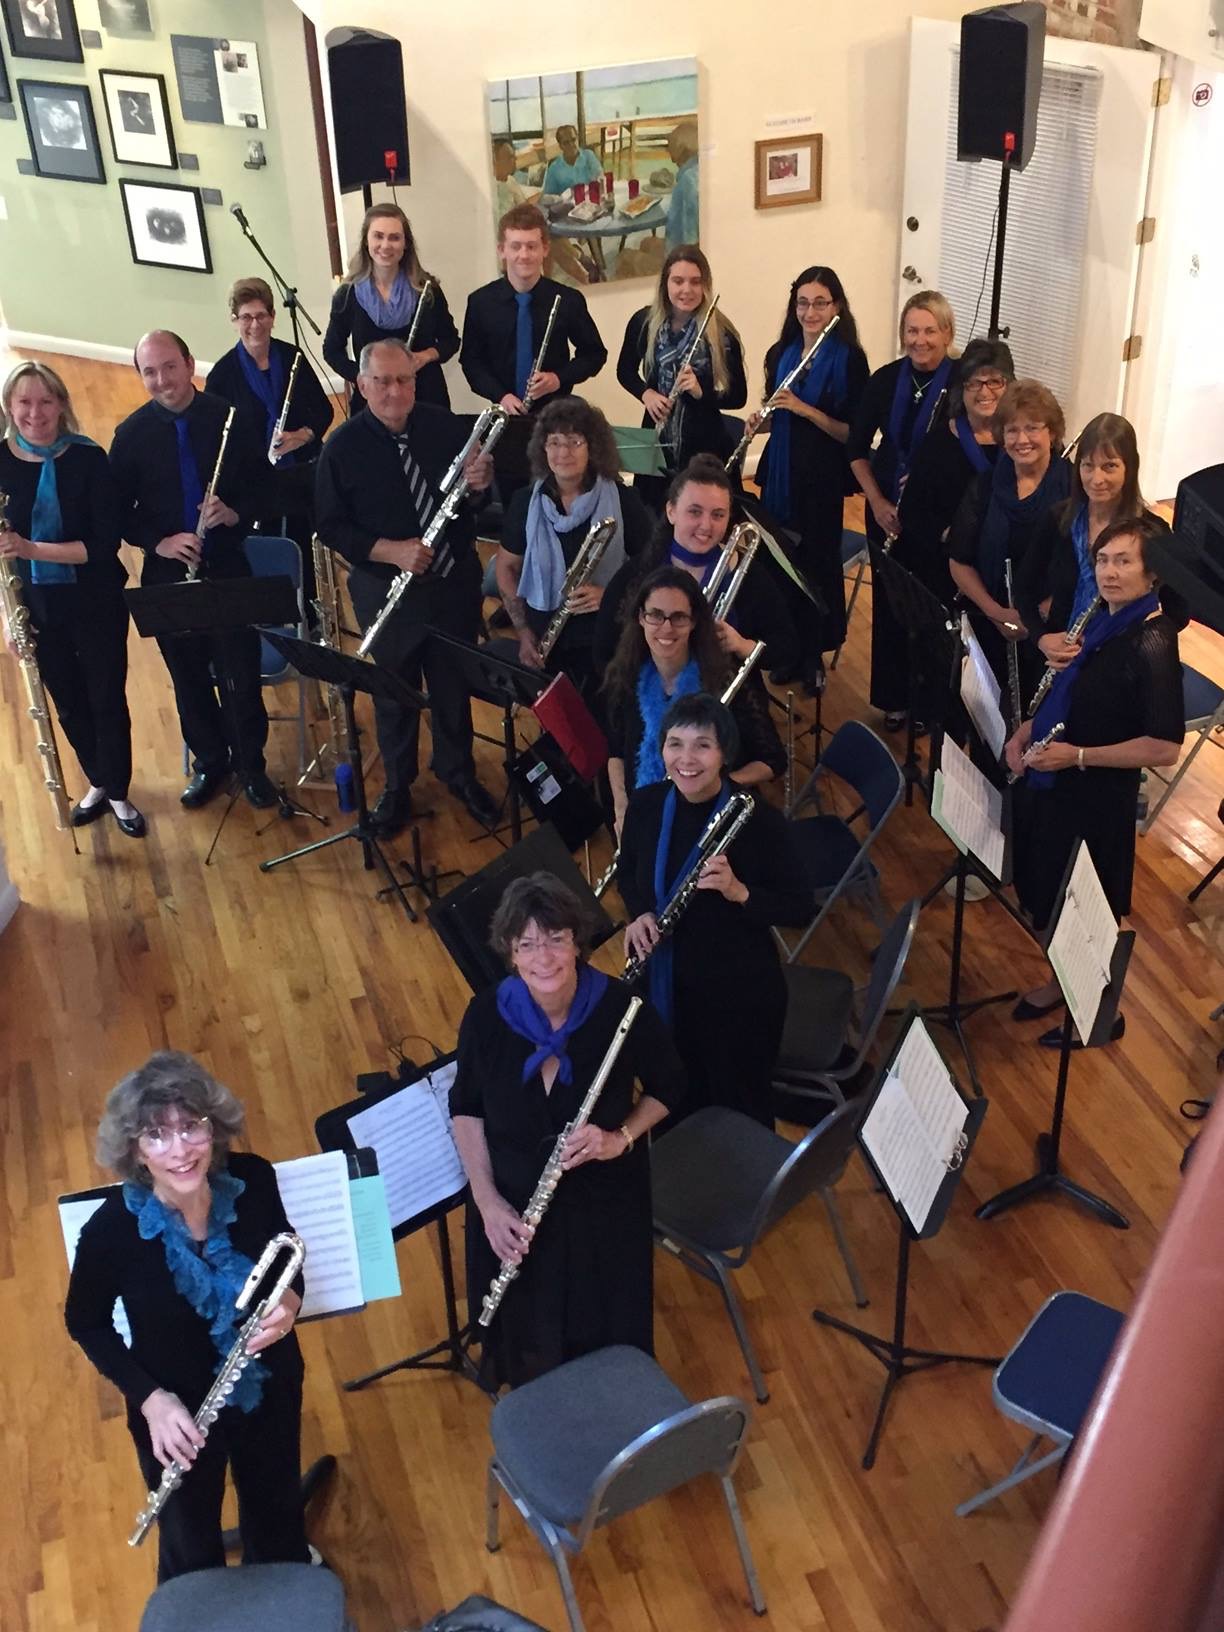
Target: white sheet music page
(914, 1128)
(417, 1157)
(971, 808)
(1083, 942)
(315, 1191)
(1092, 904)
(980, 691)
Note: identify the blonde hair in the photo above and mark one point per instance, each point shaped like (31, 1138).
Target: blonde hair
(660, 313)
(929, 300)
(38, 371)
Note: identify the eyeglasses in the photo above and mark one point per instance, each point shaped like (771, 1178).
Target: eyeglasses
(193, 1130)
(995, 384)
(568, 444)
(803, 304)
(656, 619)
(1030, 428)
(559, 941)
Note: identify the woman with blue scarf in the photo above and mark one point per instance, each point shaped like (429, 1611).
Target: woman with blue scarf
(528, 1051)
(803, 473)
(378, 300)
(176, 1240)
(1120, 704)
(63, 533)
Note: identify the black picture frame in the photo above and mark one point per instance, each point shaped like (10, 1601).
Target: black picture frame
(6, 90)
(165, 225)
(63, 132)
(133, 100)
(28, 22)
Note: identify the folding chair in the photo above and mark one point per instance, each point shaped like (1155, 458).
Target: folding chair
(1048, 1379)
(251, 1599)
(271, 557)
(1203, 702)
(833, 857)
(854, 564)
(600, 1436)
(720, 1181)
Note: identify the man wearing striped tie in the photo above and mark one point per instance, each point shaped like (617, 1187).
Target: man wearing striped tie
(378, 484)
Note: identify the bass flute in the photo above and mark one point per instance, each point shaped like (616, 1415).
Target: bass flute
(771, 403)
(1072, 638)
(539, 362)
(553, 1172)
(274, 453)
(748, 543)
(193, 571)
(585, 563)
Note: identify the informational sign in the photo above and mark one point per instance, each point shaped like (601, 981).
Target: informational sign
(218, 81)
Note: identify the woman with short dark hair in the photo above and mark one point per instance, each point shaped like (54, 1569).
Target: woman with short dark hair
(529, 1049)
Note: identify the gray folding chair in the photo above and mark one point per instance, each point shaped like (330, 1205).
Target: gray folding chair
(251, 1599)
(1203, 704)
(721, 1180)
(854, 565)
(599, 1437)
(273, 557)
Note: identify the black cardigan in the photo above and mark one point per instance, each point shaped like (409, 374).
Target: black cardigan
(310, 406)
(348, 326)
(89, 509)
(702, 424)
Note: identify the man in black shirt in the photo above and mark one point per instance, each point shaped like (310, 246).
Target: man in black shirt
(163, 457)
(378, 484)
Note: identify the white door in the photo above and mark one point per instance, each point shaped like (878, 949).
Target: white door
(1079, 337)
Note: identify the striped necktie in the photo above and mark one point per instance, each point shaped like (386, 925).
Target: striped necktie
(423, 501)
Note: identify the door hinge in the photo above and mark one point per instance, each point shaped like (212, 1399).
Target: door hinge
(1146, 230)
(1162, 90)
(1132, 347)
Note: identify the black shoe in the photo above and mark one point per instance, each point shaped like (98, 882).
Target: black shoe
(133, 826)
(1053, 1037)
(392, 813)
(82, 815)
(477, 801)
(894, 720)
(260, 791)
(204, 785)
(1024, 1010)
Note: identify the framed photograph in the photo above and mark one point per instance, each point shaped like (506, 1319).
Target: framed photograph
(788, 171)
(43, 28)
(165, 224)
(63, 135)
(138, 113)
(126, 19)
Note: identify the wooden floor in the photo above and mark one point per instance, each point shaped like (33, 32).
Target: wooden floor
(287, 985)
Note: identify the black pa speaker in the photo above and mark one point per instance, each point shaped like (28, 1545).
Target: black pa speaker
(1002, 49)
(369, 118)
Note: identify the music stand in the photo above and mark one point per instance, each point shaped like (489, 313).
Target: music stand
(899, 1156)
(1069, 925)
(349, 675)
(933, 649)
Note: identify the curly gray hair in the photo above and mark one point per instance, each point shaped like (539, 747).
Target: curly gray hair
(168, 1080)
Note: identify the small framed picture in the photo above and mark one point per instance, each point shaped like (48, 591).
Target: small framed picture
(138, 113)
(165, 224)
(43, 28)
(126, 19)
(63, 135)
(788, 171)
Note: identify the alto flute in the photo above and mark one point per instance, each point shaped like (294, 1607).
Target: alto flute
(193, 571)
(17, 618)
(233, 1366)
(731, 543)
(585, 563)
(1054, 732)
(425, 296)
(1013, 656)
(750, 542)
(771, 404)
(455, 485)
(1071, 636)
(551, 1177)
(274, 453)
(539, 362)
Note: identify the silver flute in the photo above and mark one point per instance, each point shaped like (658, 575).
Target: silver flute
(1013, 655)
(1035, 748)
(771, 404)
(585, 563)
(1072, 637)
(273, 452)
(553, 1172)
(423, 299)
(235, 1363)
(539, 362)
(891, 538)
(674, 393)
(193, 570)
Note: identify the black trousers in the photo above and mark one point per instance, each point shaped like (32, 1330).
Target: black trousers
(818, 521)
(82, 657)
(263, 1452)
(452, 605)
(200, 666)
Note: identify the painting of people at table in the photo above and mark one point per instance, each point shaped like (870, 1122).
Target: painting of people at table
(612, 157)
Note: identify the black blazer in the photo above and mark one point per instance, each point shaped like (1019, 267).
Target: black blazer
(574, 353)
(89, 510)
(310, 405)
(349, 329)
(702, 425)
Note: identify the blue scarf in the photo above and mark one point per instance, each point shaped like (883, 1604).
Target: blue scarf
(977, 453)
(660, 968)
(268, 384)
(1086, 584)
(826, 372)
(1056, 706)
(653, 703)
(1006, 510)
(395, 313)
(544, 560)
(210, 1279)
(527, 1019)
(899, 458)
(46, 520)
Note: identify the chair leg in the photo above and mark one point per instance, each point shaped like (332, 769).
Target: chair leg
(567, 1587)
(741, 1541)
(843, 1246)
(741, 1332)
(1171, 784)
(793, 954)
(1024, 1469)
(492, 1509)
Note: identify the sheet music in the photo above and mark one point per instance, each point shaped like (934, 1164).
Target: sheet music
(969, 808)
(315, 1192)
(74, 1214)
(1082, 945)
(410, 1131)
(1093, 906)
(980, 692)
(914, 1131)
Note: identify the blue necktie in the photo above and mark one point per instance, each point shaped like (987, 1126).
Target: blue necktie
(189, 475)
(523, 339)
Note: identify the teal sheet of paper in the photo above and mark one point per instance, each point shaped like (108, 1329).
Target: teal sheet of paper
(375, 1246)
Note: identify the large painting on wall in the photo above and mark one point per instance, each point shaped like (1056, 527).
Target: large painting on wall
(611, 157)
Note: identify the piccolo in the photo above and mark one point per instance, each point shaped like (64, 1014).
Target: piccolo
(423, 299)
(193, 570)
(1035, 748)
(539, 362)
(674, 393)
(1072, 637)
(274, 452)
(554, 1171)
(771, 403)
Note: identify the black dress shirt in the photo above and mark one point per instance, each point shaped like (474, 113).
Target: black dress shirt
(575, 351)
(349, 329)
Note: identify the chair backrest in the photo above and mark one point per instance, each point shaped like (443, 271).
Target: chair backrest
(886, 972)
(272, 557)
(1202, 699)
(817, 1160)
(251, 1599)
(866, 763)
(703, 1438)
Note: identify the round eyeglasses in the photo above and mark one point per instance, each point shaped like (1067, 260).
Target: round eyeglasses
(193, 1130)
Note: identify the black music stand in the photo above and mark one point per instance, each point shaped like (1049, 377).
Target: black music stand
(1049, 1177)
(349, 675)
(219, 606)
(900, 1359)
(934, 651)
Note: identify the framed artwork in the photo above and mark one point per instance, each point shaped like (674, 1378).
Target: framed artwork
(43, 28)
(6, 92)
(63, 135)
(126, 19)
(165, 224)
(138, 113)
(788, 171)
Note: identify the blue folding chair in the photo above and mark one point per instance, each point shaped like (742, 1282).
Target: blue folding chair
(854, 564)
(1203, 702)
(271, 557)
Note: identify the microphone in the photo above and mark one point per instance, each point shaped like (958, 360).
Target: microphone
(236, 212)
